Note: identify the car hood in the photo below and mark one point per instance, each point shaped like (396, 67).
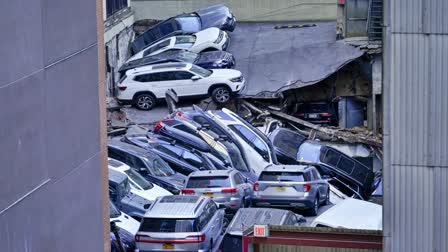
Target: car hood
(215, 15)
(127, 223)
(214, 56)
(139, 204)
(207, 35)
(225, 73)
(151, 194)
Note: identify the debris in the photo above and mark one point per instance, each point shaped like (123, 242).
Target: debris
(171, 100)
(356, 135)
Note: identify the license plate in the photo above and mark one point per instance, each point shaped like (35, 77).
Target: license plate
(312, 116)
(280, 188)
(208, 194)
(168, 246)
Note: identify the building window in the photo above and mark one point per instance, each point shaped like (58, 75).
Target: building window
(113, 6)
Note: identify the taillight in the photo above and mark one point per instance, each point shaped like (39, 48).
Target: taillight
(306, 187)
(187, 191)
(255, 186)
(122, 88)
(326, 114)
(182, 115)
(188, 239)
(229, 190)
(159, 126)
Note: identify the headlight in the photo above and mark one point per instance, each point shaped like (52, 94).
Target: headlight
(220, 37)
(237, 79)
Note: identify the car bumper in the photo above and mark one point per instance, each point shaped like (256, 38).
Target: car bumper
(293, 203)
(232, 204)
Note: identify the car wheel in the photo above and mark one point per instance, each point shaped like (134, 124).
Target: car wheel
(145, 101)
(315, 209)
(221, 95)
(327, 199)
(211, 244)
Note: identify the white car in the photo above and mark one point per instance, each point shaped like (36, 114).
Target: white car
(143, 86)
(352, 214)
(139, 185)
(206, 40)
(123, 220)
(256, 143)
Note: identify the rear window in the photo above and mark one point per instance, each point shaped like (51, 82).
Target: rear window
(168, 225)
(284, 176)
(208, 182)
(314, 107)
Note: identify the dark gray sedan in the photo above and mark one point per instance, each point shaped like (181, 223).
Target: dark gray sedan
(291, 186)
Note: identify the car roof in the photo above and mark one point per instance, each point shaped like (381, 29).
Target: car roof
(353, 214)
(129, 148)
(160, 67)
(116, 176)
(247, 217)
(117, 165)
(212, 173)
(177, 206)
(288, 168)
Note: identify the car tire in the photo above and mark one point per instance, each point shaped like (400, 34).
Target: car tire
(327, 199)
(315, 209)
(211, 244)
(221, 94)
(144, 101)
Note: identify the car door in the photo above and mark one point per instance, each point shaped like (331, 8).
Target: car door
(320, 183)
(148, 82)
(185, 86)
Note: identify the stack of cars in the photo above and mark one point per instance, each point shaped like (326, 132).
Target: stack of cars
(186, 54)
(178, 186)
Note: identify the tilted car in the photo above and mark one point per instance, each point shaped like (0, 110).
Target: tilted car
(139, 185)
(122, 220)
(245, 218)
(218, 16)
(291, 186)
(126, 238)
(120, 194)
(180, 223)
(182, 159)
(211, 39)
(143, 86)
(286, 143)
(207, 60)
(147, 164)
(349, 175)
(210, 122)
(221, 147)
(228, 188)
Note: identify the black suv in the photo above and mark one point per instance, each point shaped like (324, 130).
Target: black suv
(318, 113)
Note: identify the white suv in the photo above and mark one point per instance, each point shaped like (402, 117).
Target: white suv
(210, 39)
(143, 86)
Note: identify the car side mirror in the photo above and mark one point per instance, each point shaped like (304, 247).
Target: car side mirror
(195, 78)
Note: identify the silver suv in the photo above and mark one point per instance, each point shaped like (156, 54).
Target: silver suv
(292, 186)
(180, 223)
(225, 187)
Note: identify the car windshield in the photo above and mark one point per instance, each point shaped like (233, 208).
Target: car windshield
(208, 182)
(309, 152)
(189, 24)
(125, 188)
(156, 47)
(236, 157)
(138, 179)
(187, 56)
(113, 211)
(169, 225)
(185, 39)
(201, 71)
(160, 168)
(282, 176)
